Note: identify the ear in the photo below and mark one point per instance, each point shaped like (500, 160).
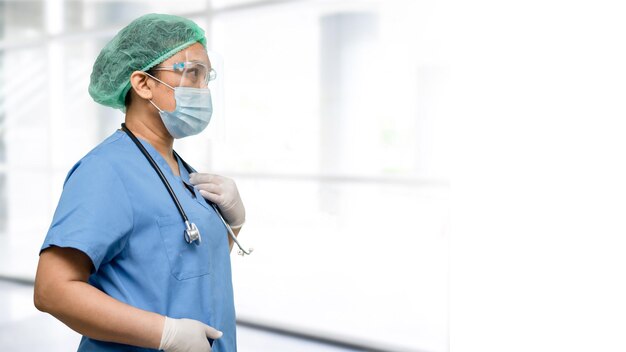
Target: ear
(141, 84)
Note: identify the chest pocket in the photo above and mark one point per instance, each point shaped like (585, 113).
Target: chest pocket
(187, 260)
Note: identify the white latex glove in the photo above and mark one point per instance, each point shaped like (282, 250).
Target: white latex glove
(187, 335)
(223, 192)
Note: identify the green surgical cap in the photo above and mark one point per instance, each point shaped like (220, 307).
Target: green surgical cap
(143, 44)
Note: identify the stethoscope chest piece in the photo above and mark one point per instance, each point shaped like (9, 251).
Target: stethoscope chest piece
(192, 233)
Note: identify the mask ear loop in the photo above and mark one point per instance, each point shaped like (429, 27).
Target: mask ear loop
(151, 102)
(158, 108)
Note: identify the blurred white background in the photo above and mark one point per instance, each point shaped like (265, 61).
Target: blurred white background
(328, 122)
(499, 123)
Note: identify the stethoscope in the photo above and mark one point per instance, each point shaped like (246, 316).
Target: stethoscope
(192, 233)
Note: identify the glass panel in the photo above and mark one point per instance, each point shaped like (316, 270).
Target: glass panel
(22, 20)
(323, 119)
(327, 129)
(219, 4)
(365, 262)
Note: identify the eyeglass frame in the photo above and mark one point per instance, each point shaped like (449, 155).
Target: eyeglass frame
(180, 67)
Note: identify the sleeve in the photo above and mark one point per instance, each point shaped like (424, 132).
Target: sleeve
(94, 214)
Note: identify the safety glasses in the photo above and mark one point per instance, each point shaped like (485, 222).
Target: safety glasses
(193, 73)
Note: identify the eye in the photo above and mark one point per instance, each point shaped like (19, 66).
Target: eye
(192, 73)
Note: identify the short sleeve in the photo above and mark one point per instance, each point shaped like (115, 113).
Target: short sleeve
(94, 214)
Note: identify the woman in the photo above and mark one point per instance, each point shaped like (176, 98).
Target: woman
(119, 265)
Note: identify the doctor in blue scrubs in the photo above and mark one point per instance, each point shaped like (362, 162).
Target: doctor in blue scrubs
(117, 264)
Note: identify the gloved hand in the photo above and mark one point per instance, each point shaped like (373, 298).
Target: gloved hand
(187, 335)
(223, 192)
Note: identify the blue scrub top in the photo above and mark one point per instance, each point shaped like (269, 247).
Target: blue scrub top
(115, 209)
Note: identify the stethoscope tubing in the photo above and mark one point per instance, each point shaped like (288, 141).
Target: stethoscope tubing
(158, 171)
(173, 195)
(230, 231)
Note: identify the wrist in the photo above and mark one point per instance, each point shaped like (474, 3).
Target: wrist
(166, 332)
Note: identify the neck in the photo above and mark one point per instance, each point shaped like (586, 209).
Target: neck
(152, 130)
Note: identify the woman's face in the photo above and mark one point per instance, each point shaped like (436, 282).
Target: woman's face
(163, 96)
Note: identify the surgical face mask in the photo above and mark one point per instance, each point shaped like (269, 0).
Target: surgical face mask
(192, 113)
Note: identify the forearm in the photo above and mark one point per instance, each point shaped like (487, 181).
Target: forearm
(97, 315)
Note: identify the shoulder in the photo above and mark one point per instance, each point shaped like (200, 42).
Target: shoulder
(103, 161)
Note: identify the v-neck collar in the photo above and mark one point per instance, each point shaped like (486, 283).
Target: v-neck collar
(163, 165)
(156, 156)
(184, 177)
